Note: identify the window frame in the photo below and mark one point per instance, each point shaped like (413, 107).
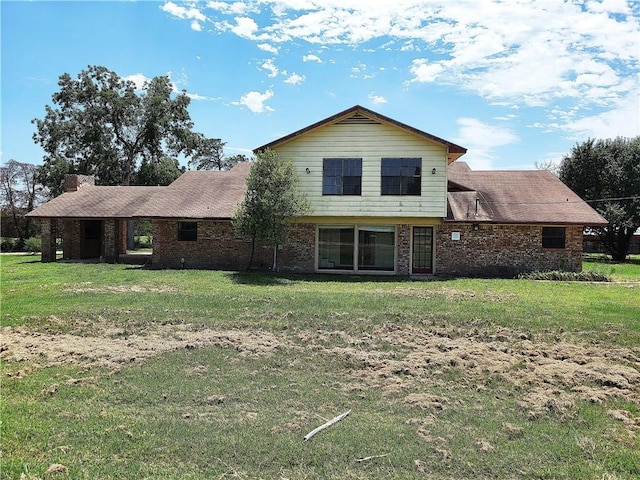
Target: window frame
(551, 238)
(396, 178)
(187, 231)
(334, 180)
(353, 241)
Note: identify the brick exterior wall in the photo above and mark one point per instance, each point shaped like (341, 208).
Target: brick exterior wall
(71, 239)
(111, 240)
(298, 254)
(217, 247)
(492, 250)
(404, 249)
(503, 250)
(48, 234)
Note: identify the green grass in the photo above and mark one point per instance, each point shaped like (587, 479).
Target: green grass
(293, 351)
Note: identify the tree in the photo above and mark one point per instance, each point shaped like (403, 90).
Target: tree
(208, 154)
(101, 125)
(272, 199)
(162, 172)
(606, 173)
(20, 193)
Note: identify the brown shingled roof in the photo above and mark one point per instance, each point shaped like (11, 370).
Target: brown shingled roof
(196, 194)
(504, 196)
(201, 194)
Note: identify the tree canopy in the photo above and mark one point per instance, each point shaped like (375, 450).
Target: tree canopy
(272, 199)
(209, 155)
(101, 125)
(606, 173)
(20, 193)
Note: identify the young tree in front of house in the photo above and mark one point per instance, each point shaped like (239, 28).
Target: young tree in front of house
(606, 173)
(272, 199)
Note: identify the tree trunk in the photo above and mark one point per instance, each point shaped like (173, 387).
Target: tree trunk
(274, 267)
(253, 249)
(616, 240)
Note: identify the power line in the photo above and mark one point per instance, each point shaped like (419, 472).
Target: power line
(635, 197)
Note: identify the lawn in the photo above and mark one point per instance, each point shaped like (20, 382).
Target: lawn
(116, 371)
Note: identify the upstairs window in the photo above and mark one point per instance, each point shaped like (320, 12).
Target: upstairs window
(187, 231)
(342, 176)
(553, 237)
(401, 176)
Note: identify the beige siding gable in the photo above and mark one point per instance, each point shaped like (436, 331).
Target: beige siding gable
(371, 142)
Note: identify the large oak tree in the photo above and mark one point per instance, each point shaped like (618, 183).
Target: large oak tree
(101, 124)
(606, 173)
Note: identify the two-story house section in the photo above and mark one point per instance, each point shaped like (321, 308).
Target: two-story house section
(387, 199)
(377, 188)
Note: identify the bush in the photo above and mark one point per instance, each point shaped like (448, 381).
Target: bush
(32, 244)
(557, 275)
(8, 244)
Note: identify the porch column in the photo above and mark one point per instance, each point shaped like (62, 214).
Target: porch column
(48, 240)
(404, 249)
(111, 240)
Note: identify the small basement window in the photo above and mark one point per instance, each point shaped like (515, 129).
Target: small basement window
(553, 237)
(187, 231)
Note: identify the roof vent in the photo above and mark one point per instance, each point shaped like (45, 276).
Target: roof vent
(358, 119)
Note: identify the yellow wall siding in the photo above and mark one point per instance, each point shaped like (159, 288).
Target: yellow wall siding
(370, 142)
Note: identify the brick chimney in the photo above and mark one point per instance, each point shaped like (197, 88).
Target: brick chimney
(74, 182)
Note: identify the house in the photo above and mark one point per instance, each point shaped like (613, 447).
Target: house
(386, 198)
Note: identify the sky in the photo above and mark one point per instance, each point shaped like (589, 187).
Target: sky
(516, 82)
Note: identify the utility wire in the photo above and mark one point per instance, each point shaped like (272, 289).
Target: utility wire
(635, 197)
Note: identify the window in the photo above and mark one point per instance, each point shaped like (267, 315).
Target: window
(401, 176)
(187, 231)
(374, 248)
(335, 248)
(553, 237)
(342, 176)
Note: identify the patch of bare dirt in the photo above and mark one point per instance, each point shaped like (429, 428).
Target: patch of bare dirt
(447, 292)
(86, 287)
(20, 344)
(399, 360)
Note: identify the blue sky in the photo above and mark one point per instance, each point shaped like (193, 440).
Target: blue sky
(516, 82)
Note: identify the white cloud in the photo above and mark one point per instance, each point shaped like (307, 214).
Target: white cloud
(530, 53)
(481, 140)
(377, 99)
(295, 79)
(269, 66)
(311, 58)
(234, 8)
(424, 71)
(183, 12)
(139, 79)
(255, 101)
(622, 120)
(268, 48)
(245, 27)
(196, 26)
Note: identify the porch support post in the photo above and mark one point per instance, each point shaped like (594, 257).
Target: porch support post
(48, 240)
(111, 240)
(404, 249)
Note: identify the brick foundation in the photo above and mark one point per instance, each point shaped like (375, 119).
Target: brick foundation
(503, 250)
